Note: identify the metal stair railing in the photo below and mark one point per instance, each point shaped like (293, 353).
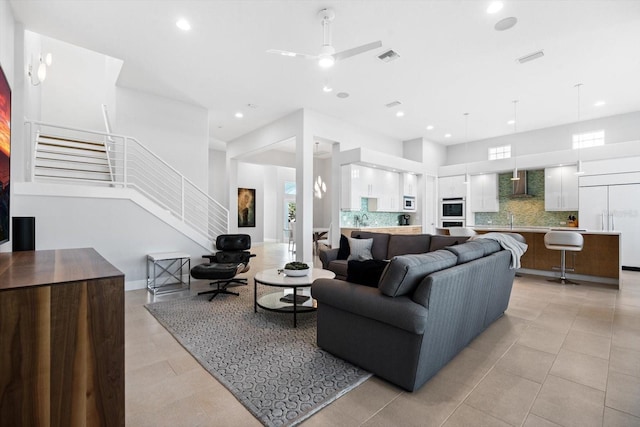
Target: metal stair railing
(132, 165)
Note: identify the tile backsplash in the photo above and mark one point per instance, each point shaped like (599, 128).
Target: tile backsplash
(373, 219)
(527, 211)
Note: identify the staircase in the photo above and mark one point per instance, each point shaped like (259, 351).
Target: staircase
(60, 158)
(97, 159)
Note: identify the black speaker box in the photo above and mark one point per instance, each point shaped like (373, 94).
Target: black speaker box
(24, 233)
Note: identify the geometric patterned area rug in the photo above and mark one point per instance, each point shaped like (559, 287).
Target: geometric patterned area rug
(277, 372)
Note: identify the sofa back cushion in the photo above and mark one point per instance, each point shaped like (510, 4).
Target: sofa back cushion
(405, 272)
(489, 246)
(440, 242)
(404, 244)
(380, 242)
(467, 251)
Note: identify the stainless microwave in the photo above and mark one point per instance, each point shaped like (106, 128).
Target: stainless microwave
(453, 208)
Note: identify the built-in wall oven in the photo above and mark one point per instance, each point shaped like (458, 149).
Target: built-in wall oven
(446, 224)
(452, 208)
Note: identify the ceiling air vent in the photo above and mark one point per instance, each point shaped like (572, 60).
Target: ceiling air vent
(389, 56)
(393, 104)
(531, 57)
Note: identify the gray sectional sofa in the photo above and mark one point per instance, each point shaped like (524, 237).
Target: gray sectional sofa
(427, 308)
(386, 246)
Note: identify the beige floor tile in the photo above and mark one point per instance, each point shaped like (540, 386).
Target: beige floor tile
(593, 325)
(597, 311)
(556, 321)
(623, 393)
(569, 404)
(626, 337)
(613, 418)
(581, 368)
(526, 362)
(626, 321)
(504, 396)
(466, 416)
(625, 361)
(542, 339)
(469, 366)
(358, 405)
(536, 421)
(586, 343)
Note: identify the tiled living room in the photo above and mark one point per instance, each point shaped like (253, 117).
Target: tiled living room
(566, 355)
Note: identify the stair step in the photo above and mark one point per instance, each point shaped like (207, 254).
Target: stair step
(64, 139)
(73, 180)
(75, 166)
(72, 157)
(71, 145)
(71, 173)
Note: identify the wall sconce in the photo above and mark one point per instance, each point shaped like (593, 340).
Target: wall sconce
(41, 72)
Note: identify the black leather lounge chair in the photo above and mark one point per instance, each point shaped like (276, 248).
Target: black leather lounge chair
(231, 259)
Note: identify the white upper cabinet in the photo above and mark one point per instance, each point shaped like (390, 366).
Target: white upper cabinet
(452, 186)
(484, 193)
(561, 189)
(409, 184)
(351, 188)
(385, 191)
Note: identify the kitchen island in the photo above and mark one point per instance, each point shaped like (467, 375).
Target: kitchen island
(599, 260)
(391, 229)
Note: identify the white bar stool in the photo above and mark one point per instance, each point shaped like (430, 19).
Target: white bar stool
(564, 241)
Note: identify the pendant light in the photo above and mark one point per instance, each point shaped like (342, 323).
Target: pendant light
(579, 170)
(515, 176)
(466, 147)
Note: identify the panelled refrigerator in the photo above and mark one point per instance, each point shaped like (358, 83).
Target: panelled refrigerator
(613, 206)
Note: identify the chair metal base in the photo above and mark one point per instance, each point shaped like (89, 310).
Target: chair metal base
(221, 287)
(562, 281)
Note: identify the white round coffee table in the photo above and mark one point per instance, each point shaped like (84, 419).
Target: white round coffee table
(294, 298)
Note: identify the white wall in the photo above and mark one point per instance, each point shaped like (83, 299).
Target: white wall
(621, 128)
(120, 230)
(174, 130)
(218, 182)
(78, 82)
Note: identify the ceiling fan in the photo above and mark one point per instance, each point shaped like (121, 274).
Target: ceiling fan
(328, 55)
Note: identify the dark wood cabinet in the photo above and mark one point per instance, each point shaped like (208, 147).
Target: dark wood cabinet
(61, 339)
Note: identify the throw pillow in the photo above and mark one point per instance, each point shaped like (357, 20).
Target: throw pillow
(343, 251)
(365, 272)
(360, 249)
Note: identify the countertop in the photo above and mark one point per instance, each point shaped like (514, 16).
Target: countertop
(368, 227)
(540, 229)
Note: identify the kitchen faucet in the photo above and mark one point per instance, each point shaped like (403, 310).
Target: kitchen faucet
(363, 218)
(356, 220)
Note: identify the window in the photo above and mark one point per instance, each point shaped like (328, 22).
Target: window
(588, 139)
(289, 187)
(501, 152)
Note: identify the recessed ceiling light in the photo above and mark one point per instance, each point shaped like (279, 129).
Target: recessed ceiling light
(599, 104)
(495, 7)
(447, 135)
(399, 113)
(183, 24)
(510, 122)
(430, 127)
(327, 88)
(342, 95)
(506, 23)
(239, 115)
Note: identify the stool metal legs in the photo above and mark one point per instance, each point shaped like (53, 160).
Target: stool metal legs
(563, 269)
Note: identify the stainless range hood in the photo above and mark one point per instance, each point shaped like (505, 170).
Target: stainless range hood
(520, 186)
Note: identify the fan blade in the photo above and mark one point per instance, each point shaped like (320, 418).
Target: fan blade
(357, 50)
(291, 54)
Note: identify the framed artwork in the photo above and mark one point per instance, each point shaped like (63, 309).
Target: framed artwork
(5, 155)
(246, 207)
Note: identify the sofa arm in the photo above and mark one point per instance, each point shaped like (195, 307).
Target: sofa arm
(365, 301)
(327, 255)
